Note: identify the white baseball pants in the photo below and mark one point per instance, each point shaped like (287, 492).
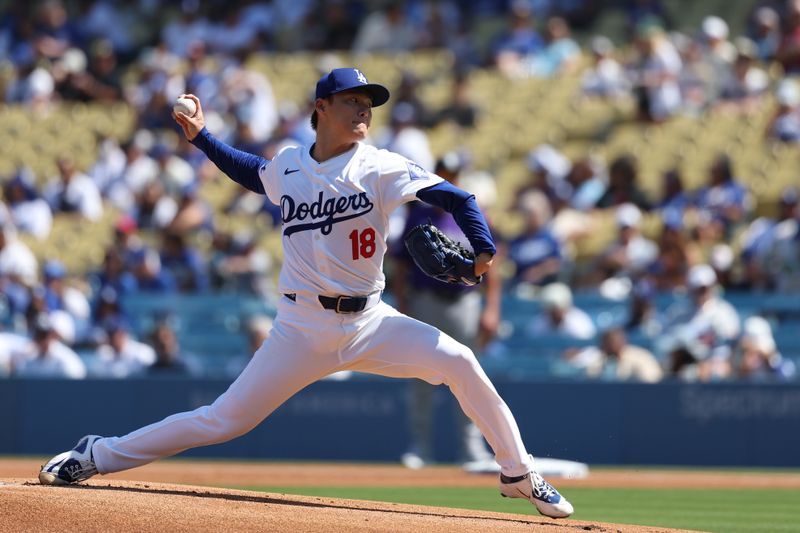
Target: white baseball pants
(306, 344)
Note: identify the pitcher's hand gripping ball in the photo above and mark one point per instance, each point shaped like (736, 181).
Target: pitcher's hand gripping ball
(185, 105)
(441, 257)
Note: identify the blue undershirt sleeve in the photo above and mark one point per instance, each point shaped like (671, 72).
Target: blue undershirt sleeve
(464, 208)
(241, 167)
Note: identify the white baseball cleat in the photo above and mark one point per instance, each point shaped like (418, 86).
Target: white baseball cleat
(542, 494)
(72, 466)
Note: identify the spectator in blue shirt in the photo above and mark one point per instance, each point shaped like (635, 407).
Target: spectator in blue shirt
(53, 31)
(115, 274)
(674, 199)
(185, 263)
(518, 42)
(766, 32)
(54, 273)
(106, 308)
(200, 79)
(150, 276)
(536, 253)
(643, 318)
(562, 53)
(725, 199)
(761, 235)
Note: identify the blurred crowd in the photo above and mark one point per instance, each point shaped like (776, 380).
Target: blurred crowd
(145, 54)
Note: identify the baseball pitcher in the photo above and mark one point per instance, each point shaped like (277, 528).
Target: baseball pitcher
(335, 198)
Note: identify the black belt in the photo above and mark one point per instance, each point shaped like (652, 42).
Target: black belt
(344, 304)
(340, 304)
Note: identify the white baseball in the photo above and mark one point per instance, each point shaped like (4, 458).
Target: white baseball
(185, 106)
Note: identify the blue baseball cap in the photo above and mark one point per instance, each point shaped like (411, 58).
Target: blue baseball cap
(54, 269)
(344, 79)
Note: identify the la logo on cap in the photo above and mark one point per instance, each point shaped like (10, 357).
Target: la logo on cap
(360, 76)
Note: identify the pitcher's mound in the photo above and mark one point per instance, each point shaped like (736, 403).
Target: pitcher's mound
(142, 506)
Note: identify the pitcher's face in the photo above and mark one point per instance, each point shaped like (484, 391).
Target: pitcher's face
(349, 114)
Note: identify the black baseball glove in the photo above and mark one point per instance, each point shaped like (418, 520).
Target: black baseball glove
(441, 257)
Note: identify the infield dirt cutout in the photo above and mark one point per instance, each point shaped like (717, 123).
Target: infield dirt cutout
(165, 496)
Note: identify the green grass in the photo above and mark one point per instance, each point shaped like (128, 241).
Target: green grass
(716, 510)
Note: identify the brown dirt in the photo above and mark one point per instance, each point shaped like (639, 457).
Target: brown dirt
(133, 501)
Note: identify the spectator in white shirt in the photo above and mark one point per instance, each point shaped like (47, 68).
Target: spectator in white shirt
(658, 90)
(64, 296)
(45, 356)
(17, 262)
(743, 87)
(631, 253)
(252, 101)
(122, 356)
(74, 192)
(607, 79)
(407, 139)
(616, 360)
(715, 34)
(110, 164)
(700, 335)
(173, 171)
(784, 125)
(29, 212)
(9, 344)
(756, 355)
(140, 170)
(561, 316)
(549, 169)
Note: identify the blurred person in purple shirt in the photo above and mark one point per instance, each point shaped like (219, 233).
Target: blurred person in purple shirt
(456, 310)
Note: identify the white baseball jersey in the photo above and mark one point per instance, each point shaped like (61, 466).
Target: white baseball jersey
(336, 215)
(335, 220)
